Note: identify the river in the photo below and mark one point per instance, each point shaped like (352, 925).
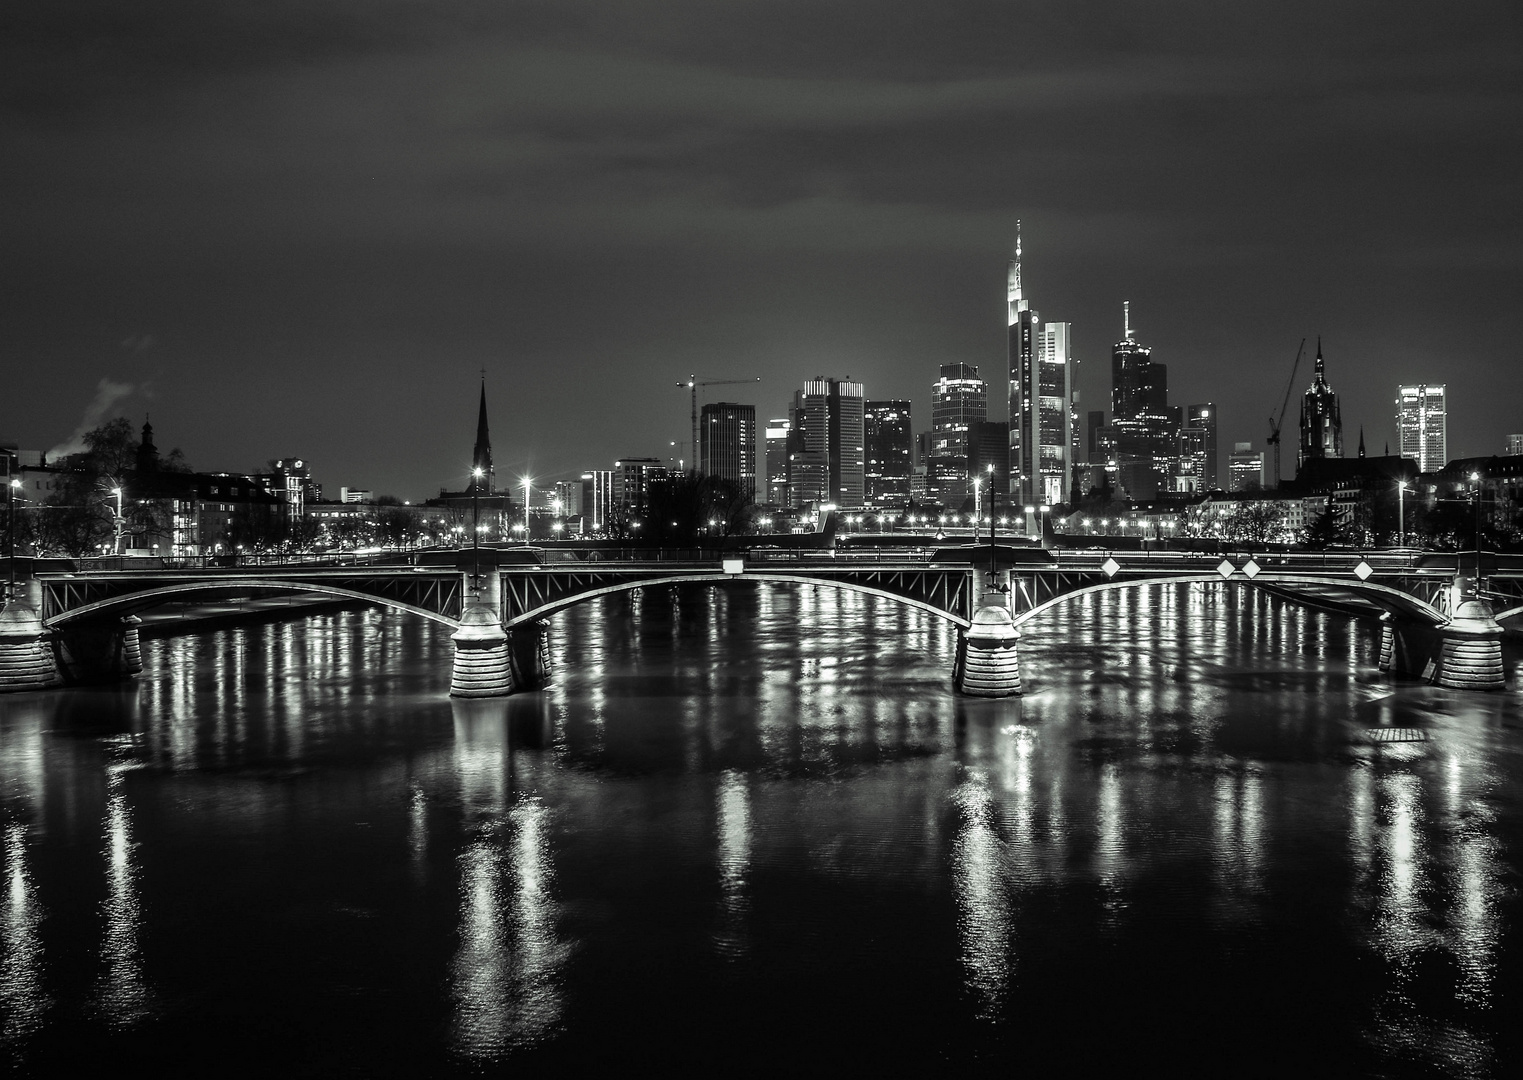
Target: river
(749, 829)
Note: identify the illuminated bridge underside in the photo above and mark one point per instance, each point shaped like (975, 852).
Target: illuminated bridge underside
(945, 593)
(1372, 597)
(67, 599)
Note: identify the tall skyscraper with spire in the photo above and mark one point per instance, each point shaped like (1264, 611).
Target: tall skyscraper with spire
(481, 457)
(1144, 431)
(1321, 419)
(1041, 397)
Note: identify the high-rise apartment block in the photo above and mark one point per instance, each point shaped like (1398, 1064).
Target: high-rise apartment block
(632, 480)
(1515, 446)
(727, 444)
(1321, 418)
(1043, 434)
(959, 399)
(1245, 470)
(597, 497)
(889, 440)
(829, 467)
(1422, 425)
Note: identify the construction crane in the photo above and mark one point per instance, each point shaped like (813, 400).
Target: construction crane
(1274, 424)
(693, 383)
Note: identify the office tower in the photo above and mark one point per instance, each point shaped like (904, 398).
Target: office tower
(1203, 417)
(1422, 425)
(889, 442)
(959, 399)
(1514, 445)
(632, 479)
(829, 466)
(989, 460)
(777, 461)
(1321, 418)
(1245, 469)
(1042, 422)
(597, 497)
(481, 455)
(1143, 434)
(727, 444)
(567, 498)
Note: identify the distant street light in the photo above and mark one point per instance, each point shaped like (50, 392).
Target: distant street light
(116, 541)
(1401, 513)
(527, 482)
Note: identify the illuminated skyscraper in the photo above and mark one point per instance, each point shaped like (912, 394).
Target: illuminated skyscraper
(1143, 435)
(889, 441)
(727, 444)
(1422, 425)
(829, 467)
(1203, 418)
(959, 399)
(1515, 446)
(1321, 418)
(777, 461)
(1042, 432)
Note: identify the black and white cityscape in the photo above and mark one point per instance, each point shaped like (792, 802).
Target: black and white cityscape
(761, 538)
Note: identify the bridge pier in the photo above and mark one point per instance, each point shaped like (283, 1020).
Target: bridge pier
(26, 651)
(1463, 654)
(482, 666)
(988, 661)
(529, 651)
(98, 651)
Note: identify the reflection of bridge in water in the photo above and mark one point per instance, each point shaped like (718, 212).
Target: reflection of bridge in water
(1438, 622)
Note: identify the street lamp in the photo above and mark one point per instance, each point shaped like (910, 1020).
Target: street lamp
(1401, 513)
(10, 585)
(527, 482)
(116, 540)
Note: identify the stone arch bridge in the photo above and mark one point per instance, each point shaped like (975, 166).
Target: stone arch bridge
(82, 626)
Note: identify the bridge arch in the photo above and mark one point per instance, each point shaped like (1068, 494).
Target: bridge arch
(130, 603)
(1403, 605)
(1510, 613)
(545, 610)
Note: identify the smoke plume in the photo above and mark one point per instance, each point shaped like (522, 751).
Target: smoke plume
(107, 394)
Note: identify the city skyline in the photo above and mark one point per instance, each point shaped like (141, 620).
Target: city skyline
(289, 235)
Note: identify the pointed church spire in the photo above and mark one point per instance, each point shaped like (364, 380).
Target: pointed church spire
(481, 457)
(1361, 440)
(1321, 366)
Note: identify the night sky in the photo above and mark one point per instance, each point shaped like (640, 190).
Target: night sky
(301, 229)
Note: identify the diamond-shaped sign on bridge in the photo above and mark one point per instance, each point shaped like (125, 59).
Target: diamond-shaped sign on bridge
(1225, 568)
(1363, 570)
(1251, 568)
(1110, 566)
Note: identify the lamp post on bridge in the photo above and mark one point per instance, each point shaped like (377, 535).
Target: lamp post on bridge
(1476, 476)
(476, 529)
(1401, 513)
(10, 584)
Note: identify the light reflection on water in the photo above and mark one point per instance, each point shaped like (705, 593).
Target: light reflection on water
(772, 792)
(124, 994)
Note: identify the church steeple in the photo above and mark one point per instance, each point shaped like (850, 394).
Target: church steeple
(481, 457)
(1321, 419)
(147, 453)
